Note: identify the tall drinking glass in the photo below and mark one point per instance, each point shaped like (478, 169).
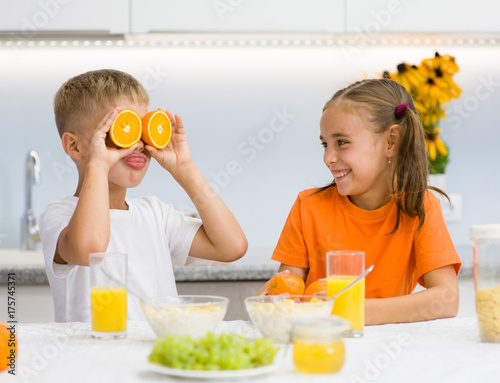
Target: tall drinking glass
(342, 267)
(108, 300)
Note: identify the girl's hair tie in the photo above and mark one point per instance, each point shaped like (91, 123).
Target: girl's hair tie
(400, 110)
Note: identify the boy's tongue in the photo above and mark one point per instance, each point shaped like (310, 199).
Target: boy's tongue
(136, 160)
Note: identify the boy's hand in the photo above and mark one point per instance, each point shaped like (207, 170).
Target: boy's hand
(98, 149)
(176, 155)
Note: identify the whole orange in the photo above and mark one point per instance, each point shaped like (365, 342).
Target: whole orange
(6, 345)
(316, 287)
(286, 283)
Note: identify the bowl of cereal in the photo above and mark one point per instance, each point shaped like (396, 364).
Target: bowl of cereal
(194, 315)
(274, 315)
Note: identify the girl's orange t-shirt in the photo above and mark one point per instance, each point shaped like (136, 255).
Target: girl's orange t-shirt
(327, 221)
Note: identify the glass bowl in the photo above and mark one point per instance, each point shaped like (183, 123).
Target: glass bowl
(193, 315)
(274, 315)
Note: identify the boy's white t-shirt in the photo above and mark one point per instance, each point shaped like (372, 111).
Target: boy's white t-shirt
(153, 234)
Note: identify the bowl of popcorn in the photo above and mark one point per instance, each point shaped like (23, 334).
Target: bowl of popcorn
(274, 315)
(193, 315)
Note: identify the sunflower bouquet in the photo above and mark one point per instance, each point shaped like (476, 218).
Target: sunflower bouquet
(431, 85)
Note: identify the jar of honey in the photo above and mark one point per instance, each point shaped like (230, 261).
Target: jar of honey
(317, 344)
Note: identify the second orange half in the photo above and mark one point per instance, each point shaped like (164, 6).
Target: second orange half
(156, 129)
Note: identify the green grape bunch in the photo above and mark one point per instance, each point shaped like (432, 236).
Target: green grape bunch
(213, 352)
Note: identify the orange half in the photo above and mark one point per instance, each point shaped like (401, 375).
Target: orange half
(157, 129)
(126, 129)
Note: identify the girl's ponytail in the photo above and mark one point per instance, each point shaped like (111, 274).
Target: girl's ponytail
(410, 168)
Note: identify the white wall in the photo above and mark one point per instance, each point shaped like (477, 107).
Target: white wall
(226, 95)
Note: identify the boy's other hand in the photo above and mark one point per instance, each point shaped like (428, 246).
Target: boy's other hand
(176, 155)
(99, 151)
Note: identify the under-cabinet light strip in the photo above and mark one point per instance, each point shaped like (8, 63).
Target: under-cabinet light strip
(353, 41)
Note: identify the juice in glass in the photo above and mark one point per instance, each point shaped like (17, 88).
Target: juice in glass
(342, 268)
(108, 295)
(108, 309)
(351, 304)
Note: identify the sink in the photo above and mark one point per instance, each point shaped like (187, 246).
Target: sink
(18, 257)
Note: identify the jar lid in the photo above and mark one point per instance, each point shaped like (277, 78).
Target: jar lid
(491, 231)
(329, 326)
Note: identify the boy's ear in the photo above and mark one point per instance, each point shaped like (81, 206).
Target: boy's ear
(71, 146)
(393, 137)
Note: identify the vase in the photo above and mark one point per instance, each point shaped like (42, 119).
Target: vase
(438, 181)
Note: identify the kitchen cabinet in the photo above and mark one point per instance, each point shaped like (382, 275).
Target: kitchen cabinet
(27, 18)
(424, 16)
(237, 16)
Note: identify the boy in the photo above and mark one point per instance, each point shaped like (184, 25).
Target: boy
(99, 217)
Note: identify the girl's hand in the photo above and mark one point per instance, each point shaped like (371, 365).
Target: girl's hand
(176, 155)
(99, 151)
(263, 289)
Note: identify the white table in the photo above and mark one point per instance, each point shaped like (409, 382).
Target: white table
(436, 351)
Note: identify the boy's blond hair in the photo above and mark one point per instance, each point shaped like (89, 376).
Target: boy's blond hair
(79, 98)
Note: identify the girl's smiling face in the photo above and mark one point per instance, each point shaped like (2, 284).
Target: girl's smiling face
(357, 157)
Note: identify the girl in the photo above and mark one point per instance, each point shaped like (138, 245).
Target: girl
(379, 203)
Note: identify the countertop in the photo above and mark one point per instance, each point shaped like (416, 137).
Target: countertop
(29, 268)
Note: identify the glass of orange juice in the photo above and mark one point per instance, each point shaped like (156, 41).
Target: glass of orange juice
(108, 299)
(342, 267)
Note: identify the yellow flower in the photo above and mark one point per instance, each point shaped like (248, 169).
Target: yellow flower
(433, 92)
(429, 117)
(408, 76)
(434, 144)
(441, 69)
(446, 64)
(421, 110)
(431, 86)
(453, 89)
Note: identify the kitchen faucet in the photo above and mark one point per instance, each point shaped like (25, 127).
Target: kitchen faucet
(30, 234)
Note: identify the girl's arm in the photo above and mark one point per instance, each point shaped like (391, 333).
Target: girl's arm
(438, 300)
(285, 269)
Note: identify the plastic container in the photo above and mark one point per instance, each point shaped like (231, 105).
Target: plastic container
(317, 344)
(486, 246)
